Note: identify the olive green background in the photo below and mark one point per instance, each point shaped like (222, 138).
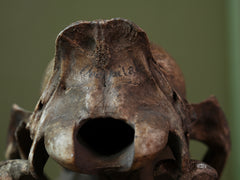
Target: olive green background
(197, 33)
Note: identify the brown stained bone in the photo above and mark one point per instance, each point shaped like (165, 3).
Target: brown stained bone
(211, 128)
(113, 106)
(18, 140)
(14, 169)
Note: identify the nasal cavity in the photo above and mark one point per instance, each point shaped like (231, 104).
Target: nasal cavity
(106, 136)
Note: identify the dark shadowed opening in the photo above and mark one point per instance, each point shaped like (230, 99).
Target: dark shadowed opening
(106, 136)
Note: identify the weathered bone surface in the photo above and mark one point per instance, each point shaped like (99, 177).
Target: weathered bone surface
(113, 107)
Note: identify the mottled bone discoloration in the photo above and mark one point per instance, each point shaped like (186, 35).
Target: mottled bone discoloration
(108, 71)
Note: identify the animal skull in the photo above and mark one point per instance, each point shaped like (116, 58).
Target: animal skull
(113, 105)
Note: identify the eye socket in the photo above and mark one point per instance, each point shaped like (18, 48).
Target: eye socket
(106, 136)
(174, 94)
(40, 106)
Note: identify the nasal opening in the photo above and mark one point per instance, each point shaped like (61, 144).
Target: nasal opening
(106, 136)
